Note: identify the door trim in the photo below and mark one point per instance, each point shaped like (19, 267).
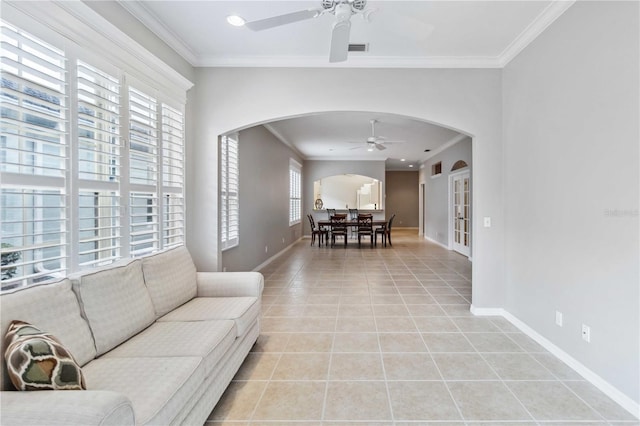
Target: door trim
(451, 176)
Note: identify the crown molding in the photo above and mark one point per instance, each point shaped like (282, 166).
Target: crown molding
(139, 11)
(352, 62)
(284, 140)
(444, 146)
(75, 21)
(351, 158)
(552, 12)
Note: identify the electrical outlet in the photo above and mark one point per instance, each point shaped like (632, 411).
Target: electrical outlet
(282, 240)
(487, 222)
(224, 269)
(266, 249)
(559, 318)
(586, 333)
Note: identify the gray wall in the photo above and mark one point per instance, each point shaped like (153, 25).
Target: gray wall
(436, 203)
(264, 200)
(467, 100)
(402, 198)
(571, 108)
(318, 169)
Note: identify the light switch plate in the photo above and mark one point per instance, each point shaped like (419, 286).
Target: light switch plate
(487, 222)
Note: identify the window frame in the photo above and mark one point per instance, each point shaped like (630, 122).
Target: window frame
(229, 191)
(295, 192)
(76, 251)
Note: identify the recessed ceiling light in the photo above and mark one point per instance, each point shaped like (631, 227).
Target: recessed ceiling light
(410, 165)
(402, 159)
(235, 20)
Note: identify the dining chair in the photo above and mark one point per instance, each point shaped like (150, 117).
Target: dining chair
(331, 212)
(353, 216)
(365, 227)
(320, 232)
(385, 232)
(338, 228)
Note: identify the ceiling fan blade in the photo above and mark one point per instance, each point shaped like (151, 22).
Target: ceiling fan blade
(380, 147)
(340, 41)
(276, 21)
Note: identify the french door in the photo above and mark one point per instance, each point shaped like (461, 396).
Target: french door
(461, 213)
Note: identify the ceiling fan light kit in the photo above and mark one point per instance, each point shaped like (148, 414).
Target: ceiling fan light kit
(373, 141)
(236, 21)
(343, 10)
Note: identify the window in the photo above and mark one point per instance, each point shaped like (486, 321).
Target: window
(34, 207)
(436, 169)
(229, 190)
(460, 164)
(295, 192)
(172, 176)
(99, 150)
(67, 202)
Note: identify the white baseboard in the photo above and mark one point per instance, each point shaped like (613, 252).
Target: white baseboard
(623, 400)
(436, 242)
(487, 312)
(277, 255)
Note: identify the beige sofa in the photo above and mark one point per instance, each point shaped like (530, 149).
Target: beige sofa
(158, 342)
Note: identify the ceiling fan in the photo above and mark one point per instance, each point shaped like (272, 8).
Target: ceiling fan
(375, 142)
(341, 9)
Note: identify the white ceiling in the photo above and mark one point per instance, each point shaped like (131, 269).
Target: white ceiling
(400, 34)
(344, 135)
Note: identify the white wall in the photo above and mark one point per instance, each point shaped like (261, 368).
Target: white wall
(320, 169)
(467, 100)
(571, 111)
(340, 193)
(264, 200)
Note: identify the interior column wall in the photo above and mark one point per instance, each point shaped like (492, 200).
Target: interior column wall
(467, 100)
(571, 129)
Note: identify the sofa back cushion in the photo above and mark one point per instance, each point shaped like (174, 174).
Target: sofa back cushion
(115, 301)
(52, 308)
(170, 277)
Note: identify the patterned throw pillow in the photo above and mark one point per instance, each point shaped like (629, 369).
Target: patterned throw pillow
(37, 361)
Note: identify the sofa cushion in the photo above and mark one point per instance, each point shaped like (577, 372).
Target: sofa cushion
(243, 310)
(157, 387)
(170, 277)
(38, 361)
(116, 303)
(209, 340)
(52, 307)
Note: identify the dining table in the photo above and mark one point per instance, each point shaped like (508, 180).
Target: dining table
(351, 223)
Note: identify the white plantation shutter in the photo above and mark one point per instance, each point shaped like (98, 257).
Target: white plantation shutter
(144, 228)
(229, 188)
(74, 194)
(99, 227)
(143, 138)
(143, 223)
(33, 153)
(98, 125)
(295, 192)
(99, 171)
(172, 176)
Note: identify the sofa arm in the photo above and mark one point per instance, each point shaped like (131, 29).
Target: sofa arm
(65, 407)
(229, 284)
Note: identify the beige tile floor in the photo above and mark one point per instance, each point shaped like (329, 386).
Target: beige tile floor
(384, 337)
